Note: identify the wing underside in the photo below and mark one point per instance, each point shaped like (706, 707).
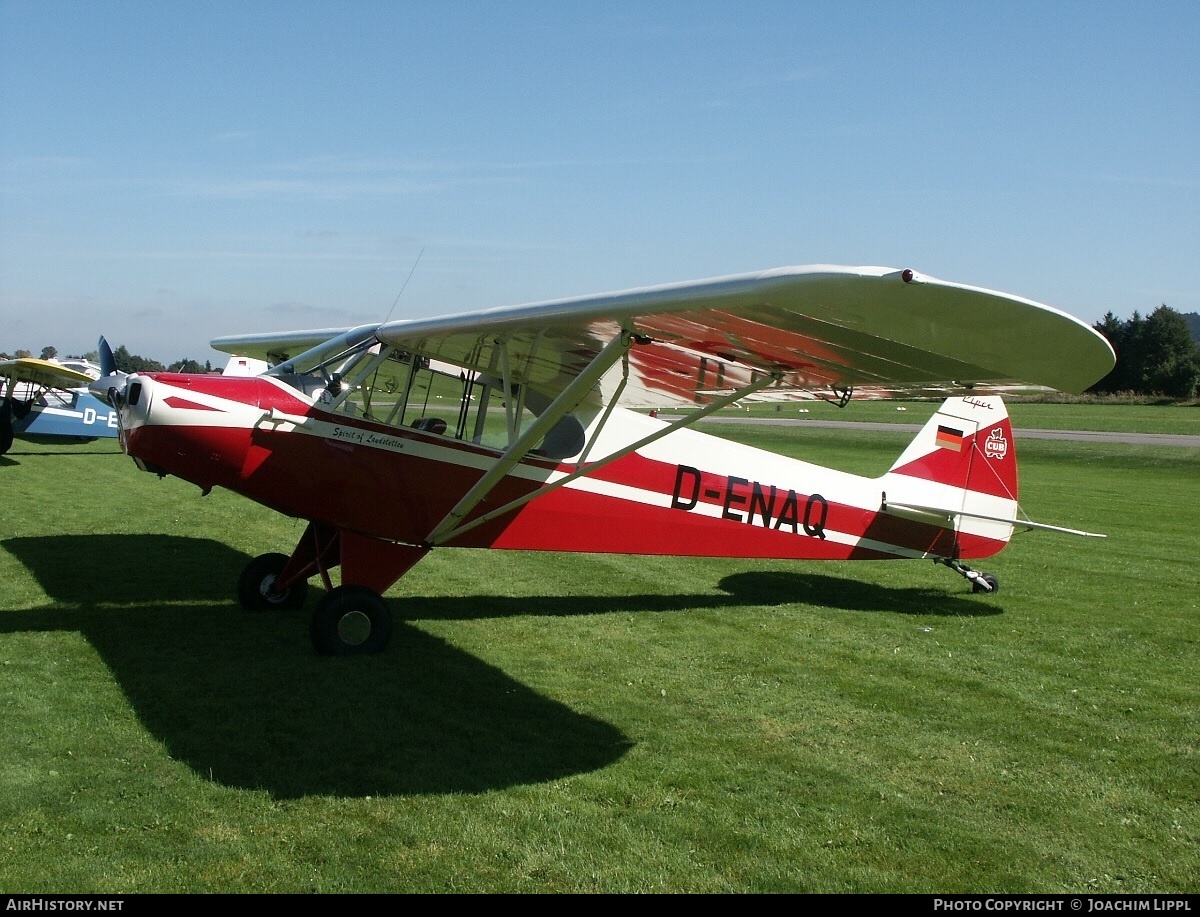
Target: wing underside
(42, 373)
(812, 329)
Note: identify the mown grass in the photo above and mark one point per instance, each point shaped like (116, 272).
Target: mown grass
(559, 723)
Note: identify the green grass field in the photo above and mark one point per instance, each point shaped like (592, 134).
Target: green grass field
(557, 723)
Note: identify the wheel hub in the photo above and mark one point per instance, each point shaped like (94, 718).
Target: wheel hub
(354, 628)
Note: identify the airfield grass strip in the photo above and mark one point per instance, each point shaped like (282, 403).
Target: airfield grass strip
(564, 723)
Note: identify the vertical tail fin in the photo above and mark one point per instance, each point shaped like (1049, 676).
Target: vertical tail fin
(963, 463)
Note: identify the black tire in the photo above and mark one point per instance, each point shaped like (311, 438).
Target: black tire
(351, 621)
(6, 430)
(991, 581)
(254, 585)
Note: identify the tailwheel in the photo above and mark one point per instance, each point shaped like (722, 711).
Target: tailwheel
(351, 621)
(256, 586)
(980, 582)
(989, 583)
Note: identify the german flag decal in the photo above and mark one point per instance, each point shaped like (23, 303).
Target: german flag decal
(949, 438)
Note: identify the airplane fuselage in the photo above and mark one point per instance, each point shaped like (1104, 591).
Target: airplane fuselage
(68, 414)
(687, 494)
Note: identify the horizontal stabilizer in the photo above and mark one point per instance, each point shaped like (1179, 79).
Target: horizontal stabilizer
(942, 513)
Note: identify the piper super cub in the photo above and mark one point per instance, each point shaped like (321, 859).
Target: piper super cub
(517, 428)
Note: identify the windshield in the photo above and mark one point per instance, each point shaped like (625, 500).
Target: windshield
(357, 375)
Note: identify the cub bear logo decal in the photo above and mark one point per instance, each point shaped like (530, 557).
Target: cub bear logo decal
(996, 446)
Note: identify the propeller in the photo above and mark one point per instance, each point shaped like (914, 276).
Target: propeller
(110, 387)
(108, 363)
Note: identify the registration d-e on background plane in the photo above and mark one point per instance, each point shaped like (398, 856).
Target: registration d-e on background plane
(519, 428)
(49, 399)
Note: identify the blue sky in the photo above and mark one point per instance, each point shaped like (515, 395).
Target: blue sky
(171, 172)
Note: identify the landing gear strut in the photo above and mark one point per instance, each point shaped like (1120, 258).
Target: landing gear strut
(980, 582)
(351, 619)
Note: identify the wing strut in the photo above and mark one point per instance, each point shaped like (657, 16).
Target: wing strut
(517, 449)
(685, 421)
(612, 403)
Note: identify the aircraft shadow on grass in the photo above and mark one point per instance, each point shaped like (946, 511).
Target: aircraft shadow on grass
(241, 698)
(57, 441)
(741, 590)
(15, 456)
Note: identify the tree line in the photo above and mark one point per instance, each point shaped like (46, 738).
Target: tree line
(126, 362)
(1156, 355)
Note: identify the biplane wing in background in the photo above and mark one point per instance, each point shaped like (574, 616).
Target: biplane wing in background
(46, 398)
(512, 428)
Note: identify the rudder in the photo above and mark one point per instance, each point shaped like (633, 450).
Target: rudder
(963, 462)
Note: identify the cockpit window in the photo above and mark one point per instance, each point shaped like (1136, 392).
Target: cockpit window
(357, 375)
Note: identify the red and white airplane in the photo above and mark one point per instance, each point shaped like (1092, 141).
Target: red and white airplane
(517, 428)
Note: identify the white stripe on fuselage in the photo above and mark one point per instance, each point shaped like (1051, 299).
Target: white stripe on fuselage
(751, 464)
(62, 412)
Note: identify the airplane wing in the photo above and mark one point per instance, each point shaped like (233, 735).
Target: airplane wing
(275, 348)
(813, 328)
(42, 373)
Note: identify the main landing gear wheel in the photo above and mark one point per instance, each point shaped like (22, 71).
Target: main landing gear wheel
(351, 621)
(254, 585)
(6, 430)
